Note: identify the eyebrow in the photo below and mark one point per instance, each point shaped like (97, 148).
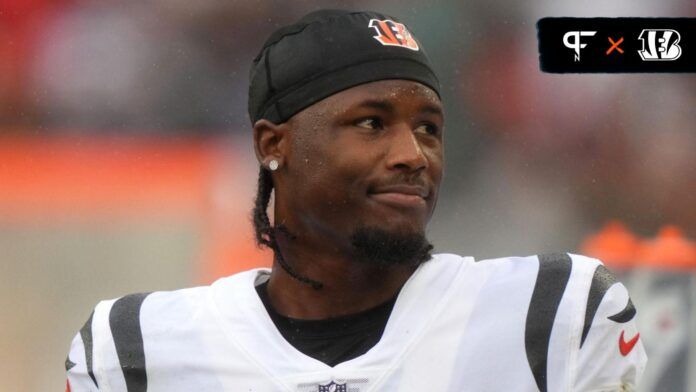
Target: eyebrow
(378, 104)
(387, 106)
(432, 109)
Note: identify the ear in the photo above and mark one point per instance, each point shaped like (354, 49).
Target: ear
(270, 141)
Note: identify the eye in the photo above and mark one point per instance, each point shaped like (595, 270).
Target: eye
(428, 128)
(370, 123)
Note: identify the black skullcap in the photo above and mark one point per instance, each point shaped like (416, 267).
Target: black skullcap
(329, 51)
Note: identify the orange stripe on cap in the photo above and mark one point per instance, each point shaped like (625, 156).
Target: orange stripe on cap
(387, 33)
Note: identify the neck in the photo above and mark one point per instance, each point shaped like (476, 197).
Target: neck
(347, 286)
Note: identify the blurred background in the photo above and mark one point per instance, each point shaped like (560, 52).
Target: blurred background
(126, 159)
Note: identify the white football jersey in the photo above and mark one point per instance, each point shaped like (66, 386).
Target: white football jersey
(554, 322)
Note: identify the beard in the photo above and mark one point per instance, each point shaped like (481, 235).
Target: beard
(382, 248)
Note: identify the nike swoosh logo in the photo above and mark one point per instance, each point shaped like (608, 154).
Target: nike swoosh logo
(626, 347)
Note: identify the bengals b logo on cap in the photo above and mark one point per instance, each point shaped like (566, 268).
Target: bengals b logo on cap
(393, 34)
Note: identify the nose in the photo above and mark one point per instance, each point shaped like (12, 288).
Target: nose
(406, 152)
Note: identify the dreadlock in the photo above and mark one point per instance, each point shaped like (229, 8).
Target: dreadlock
(266, 233)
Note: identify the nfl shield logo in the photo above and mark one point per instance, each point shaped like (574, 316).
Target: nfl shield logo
(333, 387)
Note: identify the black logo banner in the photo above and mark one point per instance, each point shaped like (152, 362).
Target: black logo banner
(601, 45)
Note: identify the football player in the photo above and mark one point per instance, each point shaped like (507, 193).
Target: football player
(348, 130)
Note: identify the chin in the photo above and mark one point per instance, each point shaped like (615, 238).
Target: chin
(401, 224)
(384, 246)
(386, 212)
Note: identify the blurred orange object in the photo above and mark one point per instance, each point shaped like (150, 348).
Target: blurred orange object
(615, 245)
(669, 250)
(46, 179)
(53, 181)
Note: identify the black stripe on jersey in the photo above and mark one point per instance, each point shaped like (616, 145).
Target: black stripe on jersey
(625, 315)
(86, 335)
(124, 320)
(69, 364)
(601, 282)
(552, 279)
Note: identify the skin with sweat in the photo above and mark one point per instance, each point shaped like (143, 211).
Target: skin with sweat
(368, 156)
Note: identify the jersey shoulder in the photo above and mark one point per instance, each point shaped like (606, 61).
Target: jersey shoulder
(555, 274)
(576, 308)
(543, 268)
(110, 349)
(113, 333)
(559, 279)
(170, 309)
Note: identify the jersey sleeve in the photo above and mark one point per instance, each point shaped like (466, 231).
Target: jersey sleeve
(78, 365)
(108, 351)
(611, 355)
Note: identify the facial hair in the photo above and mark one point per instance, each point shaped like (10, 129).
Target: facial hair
(379, 247)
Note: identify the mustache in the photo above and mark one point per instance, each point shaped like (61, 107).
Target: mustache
(413, 181)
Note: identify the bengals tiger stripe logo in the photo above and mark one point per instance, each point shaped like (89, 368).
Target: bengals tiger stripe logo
(393, 34)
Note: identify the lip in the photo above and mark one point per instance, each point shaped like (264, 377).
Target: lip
(413, 190)
(408, 196)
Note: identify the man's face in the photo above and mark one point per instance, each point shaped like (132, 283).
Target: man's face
(367, 157)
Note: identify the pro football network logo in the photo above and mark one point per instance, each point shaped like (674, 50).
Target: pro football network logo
(660, 45)
(391, 33)
(613, 45)
(575, 44)
(333, 387)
